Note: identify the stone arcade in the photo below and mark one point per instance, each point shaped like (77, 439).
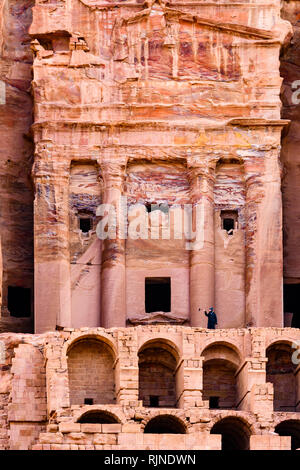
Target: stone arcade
(164, 104)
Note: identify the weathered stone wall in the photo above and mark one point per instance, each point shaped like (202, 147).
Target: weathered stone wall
(230, 250)
(157, 183)
(16, 154)
(289, 70)
(22, 390)
(160, 76)
(37, 374)
(85, 248)
(162, 103)
(167, 106)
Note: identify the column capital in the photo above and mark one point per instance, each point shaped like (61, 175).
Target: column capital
(204, 171)
(113, 173)
(201, 180)
(56, 170)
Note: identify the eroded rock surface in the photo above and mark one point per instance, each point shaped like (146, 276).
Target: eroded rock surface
(16, 154)
(290, 71)
(162, 103)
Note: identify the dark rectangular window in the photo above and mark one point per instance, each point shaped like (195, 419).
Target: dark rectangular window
(88, 401)
(214, 402)
(85, 224)
(157, 294)
(228, 224)
(19, 301)
(154, 401)
(291, 294)
(229, 221)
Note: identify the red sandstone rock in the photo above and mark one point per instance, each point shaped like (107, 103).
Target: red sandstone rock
(16, 211)
(290, 156)
(161, 103)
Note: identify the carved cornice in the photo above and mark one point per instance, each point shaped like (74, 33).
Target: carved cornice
(238, 29)
(164, 125)
(177, 15)
(256, 122)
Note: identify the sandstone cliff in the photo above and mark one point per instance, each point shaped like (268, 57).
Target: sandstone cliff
(16, 196)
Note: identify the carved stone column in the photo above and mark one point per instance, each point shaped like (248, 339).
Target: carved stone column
(113, 291)
(264, 290)
(202, 254)
(189, 378)
(251, 284)
(52, 294)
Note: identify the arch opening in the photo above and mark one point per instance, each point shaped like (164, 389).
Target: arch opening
(235, 433)
(91, 372)
(165, 424)
(219, 379)
(98, 416)
(280, 372)
(157, 380)
(291, 428)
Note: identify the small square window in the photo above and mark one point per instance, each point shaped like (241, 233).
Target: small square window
(214, 402)
(88, 401)
(228, 224)
(85, 224)
(157, 294)
(154, 401)
(229, 221)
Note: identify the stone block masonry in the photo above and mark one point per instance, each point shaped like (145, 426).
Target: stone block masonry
(44, 389)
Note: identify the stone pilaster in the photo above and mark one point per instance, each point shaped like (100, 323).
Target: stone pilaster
(127, 369)
(113, 298)
(253, 393)
(202, 254)
(264, 296)
(189, 378)
(51, 243)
